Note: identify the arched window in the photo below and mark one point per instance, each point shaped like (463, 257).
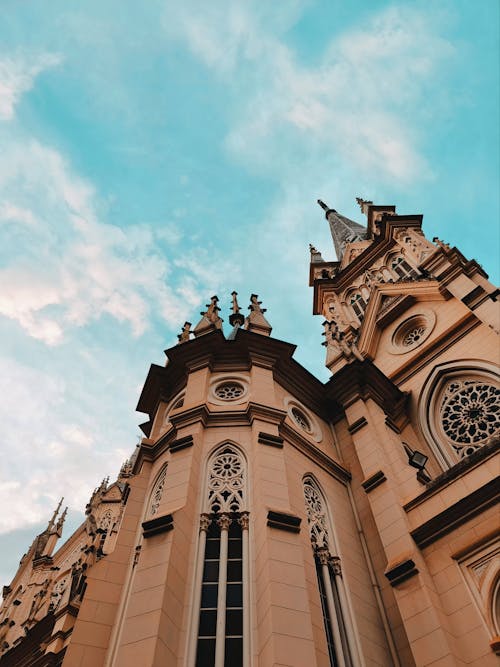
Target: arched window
(459, 410)
(358, 304)
(336, 616)
(221, 625)
(401, 268)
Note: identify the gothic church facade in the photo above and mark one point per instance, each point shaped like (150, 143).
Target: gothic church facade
(267, 518)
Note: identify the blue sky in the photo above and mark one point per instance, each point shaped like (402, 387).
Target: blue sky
(153, 154)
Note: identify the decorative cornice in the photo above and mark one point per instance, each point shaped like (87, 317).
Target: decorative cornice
(457, 514)
(404, 570)
(373, 481)
(363, 380)
(158, 525)
(269, 439)
(214, 351)
(283, 521)
(314, 453)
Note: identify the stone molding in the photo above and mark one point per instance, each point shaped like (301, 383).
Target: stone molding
(269, 439)
(373, 481)
(400, 572)
(283, 521)
(181, 443)
(457, 514)
(357, 425)
(312, 452)
(157, 525)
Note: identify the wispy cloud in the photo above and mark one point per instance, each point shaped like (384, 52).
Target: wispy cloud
(17, 75)
(64, 267)
(361, 103)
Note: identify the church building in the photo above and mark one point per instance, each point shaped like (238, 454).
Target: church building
(269, 519)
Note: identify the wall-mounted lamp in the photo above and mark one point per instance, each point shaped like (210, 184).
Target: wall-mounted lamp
(418, 460)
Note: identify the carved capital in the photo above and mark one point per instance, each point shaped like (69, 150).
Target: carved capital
(335, 565)
(205, 522)
(244, 520)
(323, 555)
(224, 521)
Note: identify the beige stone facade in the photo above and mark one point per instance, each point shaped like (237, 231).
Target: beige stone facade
(269, 519)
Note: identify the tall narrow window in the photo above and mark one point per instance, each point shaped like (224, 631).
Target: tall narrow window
(340, 638)
(221, 631)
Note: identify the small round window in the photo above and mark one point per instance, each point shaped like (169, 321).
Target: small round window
(412, 332)
(229, 391)
(301, 420)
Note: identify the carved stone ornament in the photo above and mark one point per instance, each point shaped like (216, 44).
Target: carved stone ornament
(224, 521)
(323, 555)
(205, 522)
(335, 565)
(244, 520)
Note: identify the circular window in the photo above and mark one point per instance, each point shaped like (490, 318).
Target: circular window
(412, 332)
(303, 418)
(470, 414)
(300, 419)
(229, 391)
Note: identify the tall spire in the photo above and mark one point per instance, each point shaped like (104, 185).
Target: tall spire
(343, 229)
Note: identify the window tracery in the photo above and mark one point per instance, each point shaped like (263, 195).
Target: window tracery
(157, 492)
(459, 409)
(226, 479)
(228, 391)
(470, 414)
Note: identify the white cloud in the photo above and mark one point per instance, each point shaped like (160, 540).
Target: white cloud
(48, 454)
(70, 268)
(360, 104)
(17, 76)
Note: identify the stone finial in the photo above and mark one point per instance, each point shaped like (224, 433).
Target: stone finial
(236, 319)
(210, 319)
(315, 254)
(60, 521)
(364, 204)
(184, 335)
(256, 321)
(53, 519)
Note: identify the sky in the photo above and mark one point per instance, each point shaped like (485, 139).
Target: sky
(154, 154)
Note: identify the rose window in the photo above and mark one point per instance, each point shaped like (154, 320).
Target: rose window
(229, 391)
(470, 414)
(300, 419)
